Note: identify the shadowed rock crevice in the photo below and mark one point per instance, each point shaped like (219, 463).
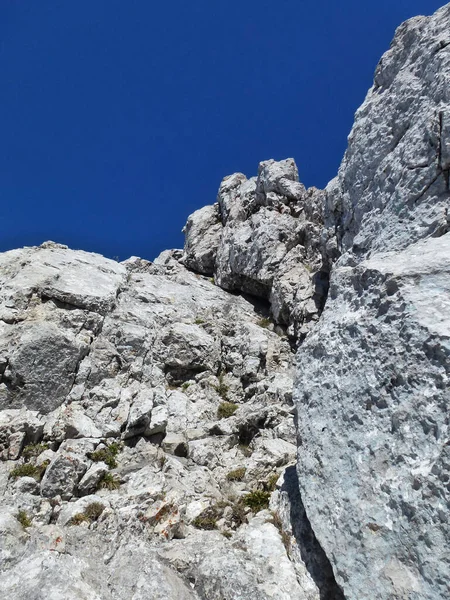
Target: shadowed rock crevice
(313, 555)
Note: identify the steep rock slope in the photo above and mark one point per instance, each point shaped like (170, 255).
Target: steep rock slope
(372, 390)
(145, 420)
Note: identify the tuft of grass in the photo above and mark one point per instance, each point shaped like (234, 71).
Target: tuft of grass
(285, 537)
(94, 510)
(199, 321)
(271, 482)
(33, 450)
(109, 482)
(237, 474)
(227, 534)
(238, 515)
(222, 388)
(29, 470)
(264, 322)
(185, 386)
(107, 455)
(226, 409)
(207, 519)
(78, 519)
(162, 460)
(245, 449)
(90, 514)
(257, 500)
(23, 518)
(115, 448)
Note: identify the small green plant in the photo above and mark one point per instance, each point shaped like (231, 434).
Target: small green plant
(107, 455)
(207, 519)
(227, 534)
(33, 450)
(29, 470)
(199, 321)
(115, 448)
(237, 474)
(264, 322)
(185, 386)
(271, 482)
(23, 518)
(226, 409)
(90, 514)
(109, 482)
(211, 280)
(257, 500)
(78, 519)
(245, 449)
(222, 388)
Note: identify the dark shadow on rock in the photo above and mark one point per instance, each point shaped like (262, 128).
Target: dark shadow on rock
(311, 551)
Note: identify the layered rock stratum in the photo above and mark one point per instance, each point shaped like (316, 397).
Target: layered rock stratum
(263, 415)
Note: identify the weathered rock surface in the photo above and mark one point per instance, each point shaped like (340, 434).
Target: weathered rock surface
(167, 403)
(268, 243)
(392, 187)
(372, 391)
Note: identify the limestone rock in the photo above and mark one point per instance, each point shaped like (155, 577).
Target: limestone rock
(203, 230)
(373, 399)
(63, 473)
(90, 480)
(278, 183)
(392, 186)
(372, 387)
(272, 228)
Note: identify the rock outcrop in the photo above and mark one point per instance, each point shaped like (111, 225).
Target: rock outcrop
(158, 437)
(263, 238)
(146, 417)
(372, 389)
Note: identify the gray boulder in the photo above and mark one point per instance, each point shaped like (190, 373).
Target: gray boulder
(202, 237)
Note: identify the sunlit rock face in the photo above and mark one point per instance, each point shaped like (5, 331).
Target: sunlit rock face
(261, 415)
(372, 389)
(267, 244)
(145, 420)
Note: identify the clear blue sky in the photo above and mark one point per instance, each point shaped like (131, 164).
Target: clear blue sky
(118, 118)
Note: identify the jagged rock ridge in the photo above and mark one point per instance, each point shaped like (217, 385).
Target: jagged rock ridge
(146, 408)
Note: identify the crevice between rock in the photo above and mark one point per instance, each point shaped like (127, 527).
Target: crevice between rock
(312, 553)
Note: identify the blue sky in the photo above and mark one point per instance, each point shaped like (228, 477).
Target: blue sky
(118, 118)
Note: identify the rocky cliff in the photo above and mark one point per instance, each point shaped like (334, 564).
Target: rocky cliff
(263, 415)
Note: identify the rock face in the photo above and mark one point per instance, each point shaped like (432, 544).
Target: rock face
(267, 244)
(147, 439)
(146, 416)
(392, 187)
(372, 388)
